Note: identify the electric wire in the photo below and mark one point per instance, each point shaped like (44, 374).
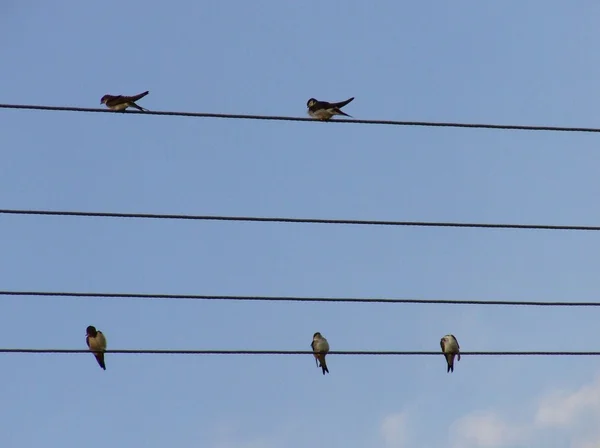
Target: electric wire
(119, 295)
(287, 118)
(298, 352)
(298, 220)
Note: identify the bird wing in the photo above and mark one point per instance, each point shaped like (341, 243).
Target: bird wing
(342, 103)
(138, 96)
(312, 345)
(321, 105)
(457, 349)
(101, 341)
(117, 99)
(454, 340)
(443, 345)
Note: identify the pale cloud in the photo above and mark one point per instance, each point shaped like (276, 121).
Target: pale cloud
(393, 430)
(587, 444)
(227, 435)
(563, 409)
(565, 415)
(486, 430)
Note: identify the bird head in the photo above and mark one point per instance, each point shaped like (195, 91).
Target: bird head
(91, 331)
(311, 102)
(104, 99)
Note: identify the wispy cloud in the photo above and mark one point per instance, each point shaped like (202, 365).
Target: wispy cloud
(227, 435)
(393, 430)
(559, 419)
(564, 409)
(486, 429)
(567, 415)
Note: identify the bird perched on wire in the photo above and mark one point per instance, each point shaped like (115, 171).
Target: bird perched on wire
(121, 102)
(320, 348)
(96, 342)
(322, 110)
(450, 349)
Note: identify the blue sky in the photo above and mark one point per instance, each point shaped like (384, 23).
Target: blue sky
(532, 62)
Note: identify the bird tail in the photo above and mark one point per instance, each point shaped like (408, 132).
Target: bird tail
(450, 361)
(132, 104)
(317, 360)
(340, 112)
(100, 358)
(324, 365)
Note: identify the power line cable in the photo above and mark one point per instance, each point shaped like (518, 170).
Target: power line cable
(285, 118)
(298, 220)
(296, 299)
(300, 352)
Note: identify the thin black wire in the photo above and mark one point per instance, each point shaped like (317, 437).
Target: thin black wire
(296, 220)
(294, 299)
(297, 352)
(284, 118)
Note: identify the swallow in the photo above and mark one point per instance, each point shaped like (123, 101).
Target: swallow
(322, 110)
(320, 348)
(96, 342)
(120, 102)
(450, 349)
